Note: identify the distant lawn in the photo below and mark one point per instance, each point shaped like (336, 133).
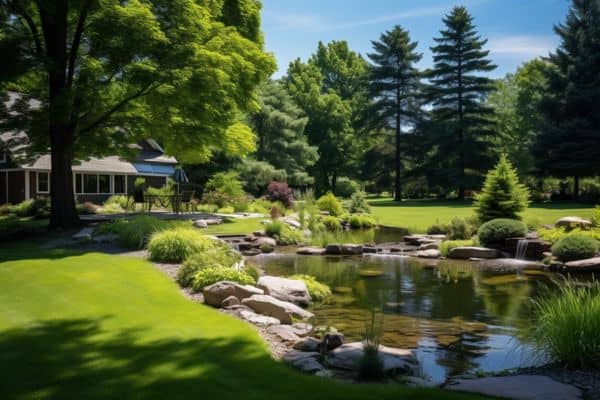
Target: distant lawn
(95, 326)
(417, 216)
(240, 225)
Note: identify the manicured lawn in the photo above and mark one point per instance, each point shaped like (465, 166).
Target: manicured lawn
(240, 225)
(417, 216)
(75, 326)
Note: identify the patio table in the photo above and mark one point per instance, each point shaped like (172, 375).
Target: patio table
(164, 200)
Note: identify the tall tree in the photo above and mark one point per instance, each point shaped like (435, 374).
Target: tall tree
(569, 143)
(461, 122)
(329, 89)
(395, 89)
(103, 74)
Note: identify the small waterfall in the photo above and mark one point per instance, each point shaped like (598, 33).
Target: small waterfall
(521, 249)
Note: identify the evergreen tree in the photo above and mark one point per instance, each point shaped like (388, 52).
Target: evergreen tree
(461, 129)
(394, 87)
(569, 142)
(502, 195)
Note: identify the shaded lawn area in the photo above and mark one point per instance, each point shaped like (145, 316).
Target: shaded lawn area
(97, 326)
(240, 225)
(418, 215)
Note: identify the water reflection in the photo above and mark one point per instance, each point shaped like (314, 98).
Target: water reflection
(458, 319)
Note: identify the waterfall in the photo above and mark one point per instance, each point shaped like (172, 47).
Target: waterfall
(521, 249)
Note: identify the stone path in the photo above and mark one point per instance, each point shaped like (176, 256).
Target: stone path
(519, 387)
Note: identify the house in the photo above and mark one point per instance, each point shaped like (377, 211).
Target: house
(95, 179)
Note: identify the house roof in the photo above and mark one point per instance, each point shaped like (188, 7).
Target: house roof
(111, 164)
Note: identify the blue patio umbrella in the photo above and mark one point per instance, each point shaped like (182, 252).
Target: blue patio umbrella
(180, 177)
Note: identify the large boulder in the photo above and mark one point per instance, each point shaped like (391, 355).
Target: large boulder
(464, 253)
(257, 319)
(200, 223)
(333, 249)
(215, 294)
(308, 344)
(284, 332)
(304, 361)
(284, 311)
(292, 290)
(430, 246)
(351, 249)
(568, 222)
(265, 241)
(347, 357)
(589, 264)
(430, 253)
(311, 251)
(509, 265)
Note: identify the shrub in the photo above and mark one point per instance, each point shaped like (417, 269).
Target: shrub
(226, 210)
(555, 234)
(226, 183)
(5, 209)
(176, 244)
(318, 291)
(208, 276)
(448, 245)
(12, 228)
(277, 210)
(331, 223)
(280, 192)
(283, 233)
(111, 208)
(207, 208)
(358, 203)
(596, 218)
(566, 325)
(253, 271)
(357, 221)
(575, 247)
(216, 255)
(122, 201)
(38, 208)
(496, 231)
(346, 187)
(502, 195)
(328, 202)
(438, 228)
(260, 206)
(459, 229)
(134, 233)
(274, 228)
(533, 224)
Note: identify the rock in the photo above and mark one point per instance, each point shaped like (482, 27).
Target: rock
(509, 265)
(213, 221)
(589, 264)
(215, 294)
(524, 387)
(333, 249)
(534, 250)
(413, 239)
(370, 249)
(284, 332)
(108, 238)
(200, 223)
(265, 241)
(351, 249)
(302, 329)
(266, 249)
(347, 356)
(84, 235)
(572, 221)
(439, 238)
(304, 361)
(245, 246)
(311, 251)
(256, 319)
(251, 252)
(291, 222)
(466, 253)
(308, 344)
(258, 233)
(430, 246)
(333, 340)
(414, 381)
(230, 301)
(431, 253)
(282, 310)
(292, 290)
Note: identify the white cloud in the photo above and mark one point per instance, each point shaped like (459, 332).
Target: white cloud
(522, 45)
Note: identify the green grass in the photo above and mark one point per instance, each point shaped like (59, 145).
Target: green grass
(240, 225)
(96, 326)
(417, 215)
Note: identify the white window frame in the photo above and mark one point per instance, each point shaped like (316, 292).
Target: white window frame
(37, 182)
(111, 183)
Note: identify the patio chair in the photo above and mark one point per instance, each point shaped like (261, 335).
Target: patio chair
(186, 198)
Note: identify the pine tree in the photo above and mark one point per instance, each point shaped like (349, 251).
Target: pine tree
(461, 122)
(502, 195)
(394, 87)
(569, 141)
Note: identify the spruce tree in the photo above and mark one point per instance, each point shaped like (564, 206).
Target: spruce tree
(461, 122)
(569, 140)
(394, 89)
(502, 195)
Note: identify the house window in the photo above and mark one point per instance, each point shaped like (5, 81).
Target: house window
(90, 183)
(43, 182)
(119, 183)
(103, 184)
(78, 183)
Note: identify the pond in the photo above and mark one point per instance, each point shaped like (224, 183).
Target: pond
(458, 318)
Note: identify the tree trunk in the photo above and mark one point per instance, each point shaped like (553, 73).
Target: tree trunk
(576, 187)
(62, 198)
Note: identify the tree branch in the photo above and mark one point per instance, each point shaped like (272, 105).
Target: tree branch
(85, 7)
(105, 116)
(17, 9)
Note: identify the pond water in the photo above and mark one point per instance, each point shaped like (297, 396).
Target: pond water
(458, 318)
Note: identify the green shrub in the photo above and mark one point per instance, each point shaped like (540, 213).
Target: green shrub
(111, 208)
(208, 276)
(331, 223)
(176, 244)
(5, 209)
(328, 202)
(496, 231)
(122, 201)
(226, 210)
(207, 208)
(502, 195)
(217, 255)
(253, 271)
(274, 228)
(260, 206)
(459, 229)
(596, 217)
(39, 208)
(226, 183)
(575, 247)
(357, 221)
(566, 325)
(533, 224)
(438, 228)
(359, 204)
(346, 187)
(448, 245)
(13, 228)
(283, 233)
(555, 234)
(134, 233)
(318, 291)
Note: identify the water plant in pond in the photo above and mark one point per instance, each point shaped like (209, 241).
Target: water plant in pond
(370, 365)
(566, 324)
(318, 291)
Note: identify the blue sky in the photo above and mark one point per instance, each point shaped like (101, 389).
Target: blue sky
(517, 30)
